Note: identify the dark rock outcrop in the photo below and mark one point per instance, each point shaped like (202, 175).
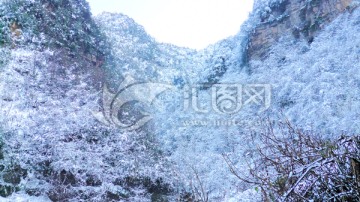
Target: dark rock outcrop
(296, 18)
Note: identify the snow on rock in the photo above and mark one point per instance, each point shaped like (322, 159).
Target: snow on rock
(18, 197)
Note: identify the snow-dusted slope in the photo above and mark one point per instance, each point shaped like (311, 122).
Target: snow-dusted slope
(56, 148)
(137, 54)
(51, 143)
(316, 85)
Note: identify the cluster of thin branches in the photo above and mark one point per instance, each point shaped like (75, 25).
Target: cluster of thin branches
(293, 165)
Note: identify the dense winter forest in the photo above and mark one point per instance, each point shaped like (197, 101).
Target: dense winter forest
(92, 108)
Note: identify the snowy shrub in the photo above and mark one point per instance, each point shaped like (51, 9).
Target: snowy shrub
(4, 35)
(11, 172)
(53, 23)
(296, 165)
(4, 57)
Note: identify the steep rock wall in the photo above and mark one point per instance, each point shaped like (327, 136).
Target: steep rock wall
(300, 19)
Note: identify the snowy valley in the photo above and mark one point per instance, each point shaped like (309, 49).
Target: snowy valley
(92, 108)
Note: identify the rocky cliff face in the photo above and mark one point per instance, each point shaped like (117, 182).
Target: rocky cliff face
(295, 18)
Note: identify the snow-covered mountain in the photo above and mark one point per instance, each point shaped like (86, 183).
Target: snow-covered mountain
(292, 59)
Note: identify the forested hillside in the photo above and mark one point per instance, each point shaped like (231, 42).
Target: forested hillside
(92, 108)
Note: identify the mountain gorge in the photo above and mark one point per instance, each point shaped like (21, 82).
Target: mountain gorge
(294, 59)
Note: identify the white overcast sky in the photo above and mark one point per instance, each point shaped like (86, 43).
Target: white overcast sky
(188, 23)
